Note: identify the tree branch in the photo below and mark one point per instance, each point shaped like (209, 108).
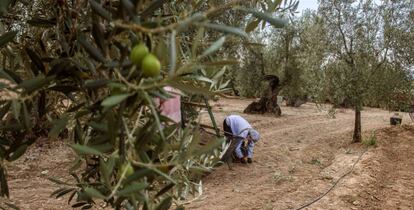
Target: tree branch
(343, 36)
(174, 26)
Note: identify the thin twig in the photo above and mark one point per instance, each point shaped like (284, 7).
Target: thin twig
(228, 96)
(198, 198)
(118, 185)
(123, 79)
(130, 134)
(194, 104)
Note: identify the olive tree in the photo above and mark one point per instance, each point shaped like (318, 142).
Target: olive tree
(356, 48)
(286, 51)
(72, 65)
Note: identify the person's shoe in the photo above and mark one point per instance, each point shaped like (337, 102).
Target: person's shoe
(243, 160)
(249, 160)
(236, 160)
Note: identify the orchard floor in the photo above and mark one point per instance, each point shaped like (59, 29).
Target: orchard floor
(299, 157)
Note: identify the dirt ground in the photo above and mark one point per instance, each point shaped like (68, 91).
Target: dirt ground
(303, 152)
(299, 157)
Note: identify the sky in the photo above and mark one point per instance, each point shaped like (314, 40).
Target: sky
(307, 4)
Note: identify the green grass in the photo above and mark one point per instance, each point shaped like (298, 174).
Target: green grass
(371, 140)
(315, 162)
(348, 151)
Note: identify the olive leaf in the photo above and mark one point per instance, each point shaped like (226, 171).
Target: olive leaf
(214, 47)
(226, 29)
(114, 100)
(41, 22)
(132, 188)
(91, 50)
(276, 22)
(37, 64)
(11, 76)
(94, 193)
(18, 152)
(165, 204)
(252, 25)
(4, 187)
(138, 174)
(7, 37)
(85, 150)
(58, 126)
(98, 9)
(35, 84)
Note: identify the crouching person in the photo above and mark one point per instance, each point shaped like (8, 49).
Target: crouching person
(239, 129)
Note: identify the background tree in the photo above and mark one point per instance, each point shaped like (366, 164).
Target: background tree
(284, 52)
(312, 54)
(356, 47)
(256, 65)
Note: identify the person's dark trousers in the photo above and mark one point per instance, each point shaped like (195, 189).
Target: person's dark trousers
(228, 133)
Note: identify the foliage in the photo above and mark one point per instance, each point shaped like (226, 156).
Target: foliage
(251, 73)
(287, 45)
(348, 53)
(361, 54)
(317, 55)
(371, 140)
(66, 67)
(358, 47)
(253, 54)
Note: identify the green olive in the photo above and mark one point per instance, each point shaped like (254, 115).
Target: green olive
(129, 170)
(138, 53)
(151, 66)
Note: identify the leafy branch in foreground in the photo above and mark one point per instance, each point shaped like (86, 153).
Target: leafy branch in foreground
(70, 68)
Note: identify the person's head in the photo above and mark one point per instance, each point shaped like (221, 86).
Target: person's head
(254, 135)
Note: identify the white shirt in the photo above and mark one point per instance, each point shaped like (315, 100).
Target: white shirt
(239, 126)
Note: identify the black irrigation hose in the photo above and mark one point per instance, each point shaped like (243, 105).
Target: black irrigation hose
(334, 185)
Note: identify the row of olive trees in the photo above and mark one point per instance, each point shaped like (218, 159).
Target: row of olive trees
(67, 65)
(348, 53)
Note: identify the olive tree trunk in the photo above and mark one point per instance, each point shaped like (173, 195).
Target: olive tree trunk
(357, 130)
(268, 101)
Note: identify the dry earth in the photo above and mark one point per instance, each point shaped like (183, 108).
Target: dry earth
(299, 157)
(303, 152)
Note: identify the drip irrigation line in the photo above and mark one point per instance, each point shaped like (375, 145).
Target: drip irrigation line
(334, 185)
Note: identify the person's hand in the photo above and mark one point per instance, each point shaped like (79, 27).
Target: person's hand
(250, 139)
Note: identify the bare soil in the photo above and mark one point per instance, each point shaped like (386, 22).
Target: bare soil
(303, 152)
(300, 156)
